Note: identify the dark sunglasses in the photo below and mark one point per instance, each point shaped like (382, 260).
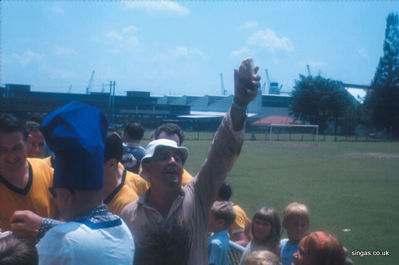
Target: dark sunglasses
(53, 193)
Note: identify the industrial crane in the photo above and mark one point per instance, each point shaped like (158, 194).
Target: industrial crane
(308, 68)
(224, 91)
(266, 83)
(88, 88)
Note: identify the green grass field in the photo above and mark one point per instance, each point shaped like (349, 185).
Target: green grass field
(345, 185)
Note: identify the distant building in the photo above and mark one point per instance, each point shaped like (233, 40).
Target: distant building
(359, 92)
(190, 112)
(20, 100)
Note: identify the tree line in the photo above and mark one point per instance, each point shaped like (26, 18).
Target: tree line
(326, 102)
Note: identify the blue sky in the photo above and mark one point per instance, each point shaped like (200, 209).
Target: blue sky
(180, 48)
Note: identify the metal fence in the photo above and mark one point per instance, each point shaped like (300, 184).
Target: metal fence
(278, 137)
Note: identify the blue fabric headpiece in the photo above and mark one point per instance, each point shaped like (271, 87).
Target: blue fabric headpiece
(75, 133)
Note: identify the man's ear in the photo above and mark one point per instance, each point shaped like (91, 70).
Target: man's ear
(111, 162)
(70, 198)
(146, 169)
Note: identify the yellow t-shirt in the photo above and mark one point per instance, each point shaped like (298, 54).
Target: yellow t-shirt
(239, 222)
(137, 183)
(48, 160)
(122, 195)
(34, 197)
(186, 177)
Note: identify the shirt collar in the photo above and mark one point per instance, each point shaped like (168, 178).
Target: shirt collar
(97, 214)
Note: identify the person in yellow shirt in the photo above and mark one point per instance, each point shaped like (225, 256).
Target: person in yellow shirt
(118, 190)
(24, 182)
(35, 141)
(237, 230)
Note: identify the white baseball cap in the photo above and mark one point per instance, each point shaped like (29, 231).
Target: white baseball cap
(154, 145)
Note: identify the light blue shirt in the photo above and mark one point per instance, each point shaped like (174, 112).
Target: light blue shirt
(287, 251)
(100, 240)
(218, 248)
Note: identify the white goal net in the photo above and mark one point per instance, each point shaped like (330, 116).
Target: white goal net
(293, 132)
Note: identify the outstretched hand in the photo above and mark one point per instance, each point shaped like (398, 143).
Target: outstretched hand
(26, 224)
(246, 82)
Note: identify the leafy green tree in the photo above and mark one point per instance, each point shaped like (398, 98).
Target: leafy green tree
(322, 101)
(382, 103)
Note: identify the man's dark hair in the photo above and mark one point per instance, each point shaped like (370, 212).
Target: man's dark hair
(169, 128)
(113, 147)
(9, 124)
(134, 131)
(164, 244)
(14, 250)
(225, 191)
(36, 117)
(32, 126)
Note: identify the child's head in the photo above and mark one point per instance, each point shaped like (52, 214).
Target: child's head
(263, 257)
(320, 248)
(266, 226)
(222, 216)
(296, 219)
(14, 250)
(224, 192)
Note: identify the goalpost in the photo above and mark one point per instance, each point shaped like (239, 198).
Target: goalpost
(294, 132)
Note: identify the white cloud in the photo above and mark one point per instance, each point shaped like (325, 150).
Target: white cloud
(119, 40)
(57, 10)
(240, 52)
(156, 7)
(125, 36)
(63, 51)
(176, 54)
(249, 25)
(130, 29)
(114, 35)
(362, 52)
(181, 51)
(60, 73)
(132, 40)
(27, 57)
(268, 40)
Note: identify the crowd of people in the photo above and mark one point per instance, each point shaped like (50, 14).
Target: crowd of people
(101, 198)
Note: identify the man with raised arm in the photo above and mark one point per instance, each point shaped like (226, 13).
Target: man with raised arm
(168, 204)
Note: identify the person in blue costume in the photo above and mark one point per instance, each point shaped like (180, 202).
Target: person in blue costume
(221, 217)
(133, 152)
(90, 233)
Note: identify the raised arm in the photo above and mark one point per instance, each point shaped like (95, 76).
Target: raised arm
(246, 84)
(226, 145)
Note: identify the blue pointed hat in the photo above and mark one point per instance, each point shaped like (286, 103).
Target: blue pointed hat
(75, 133)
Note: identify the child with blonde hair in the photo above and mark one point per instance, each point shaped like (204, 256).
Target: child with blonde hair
(296, 219)
(263, 257)
(266, 231)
